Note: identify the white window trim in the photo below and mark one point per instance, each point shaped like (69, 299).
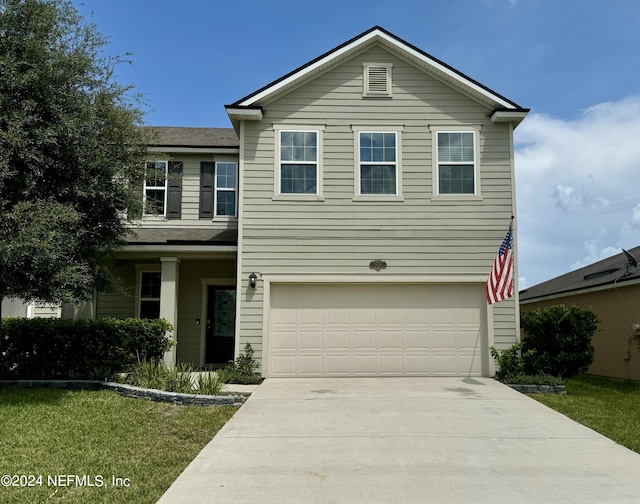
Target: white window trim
(155, 188)
(319, 131)
(366, 92)
(475, 129)
(217, 217)
(140, 269)
(397, 130)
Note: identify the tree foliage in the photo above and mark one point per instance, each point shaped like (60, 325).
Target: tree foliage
(559, 340)
(70, 153)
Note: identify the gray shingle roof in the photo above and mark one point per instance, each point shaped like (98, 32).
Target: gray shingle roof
(169, 236)
(605, 272)
(193, 137)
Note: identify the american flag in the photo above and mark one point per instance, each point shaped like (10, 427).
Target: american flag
(500, 282)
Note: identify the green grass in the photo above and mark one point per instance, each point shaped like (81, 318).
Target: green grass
(609, 407)
(99, 434)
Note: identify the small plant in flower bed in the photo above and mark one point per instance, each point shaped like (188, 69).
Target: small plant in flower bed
(242, 370)
(181, 378)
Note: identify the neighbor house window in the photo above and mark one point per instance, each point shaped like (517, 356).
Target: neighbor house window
(378, 168)
(150, 294)
(456, 162)
(298, 162)
(226, 185)
(155, 188)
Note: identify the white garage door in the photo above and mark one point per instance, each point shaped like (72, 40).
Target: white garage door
(368, 330)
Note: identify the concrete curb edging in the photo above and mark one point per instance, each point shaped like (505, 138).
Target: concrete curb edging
(128, 391)
(538, 389)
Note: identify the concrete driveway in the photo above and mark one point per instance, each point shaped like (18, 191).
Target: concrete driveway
(404, 440)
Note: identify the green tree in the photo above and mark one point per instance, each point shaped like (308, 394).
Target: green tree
(71, 153)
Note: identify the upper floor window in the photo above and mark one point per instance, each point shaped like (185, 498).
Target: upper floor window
(226, 185)
(456, 162)
(163, 189)
(378, 166)
(298, 162)
(155, 187)
(218, 189)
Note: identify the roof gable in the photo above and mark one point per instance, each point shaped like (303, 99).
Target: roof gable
(504, 108)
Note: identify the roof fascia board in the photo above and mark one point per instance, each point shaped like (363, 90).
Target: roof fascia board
(177, 249)
(194, 150)
(399, 44)
(587, 290)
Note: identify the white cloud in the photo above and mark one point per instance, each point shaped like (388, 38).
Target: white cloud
(577, 188)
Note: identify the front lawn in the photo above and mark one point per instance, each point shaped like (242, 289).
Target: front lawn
(609, 407)
(82, 446)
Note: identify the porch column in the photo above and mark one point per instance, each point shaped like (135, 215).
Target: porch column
(169, 302)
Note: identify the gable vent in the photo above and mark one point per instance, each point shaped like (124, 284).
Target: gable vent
(377, 80)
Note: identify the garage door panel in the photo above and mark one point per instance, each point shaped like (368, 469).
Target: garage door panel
(391, 364)
(337, 340)
(338, 365)
(311, 340)
(418, 364)
(365, 365)
(417, 340)
(285, 340)
(310, 365)
(365, 330)
(443, 340)
(391, 340)
(364, 340)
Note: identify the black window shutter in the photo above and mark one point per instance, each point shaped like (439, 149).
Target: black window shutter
(174, 190)
(207, 174)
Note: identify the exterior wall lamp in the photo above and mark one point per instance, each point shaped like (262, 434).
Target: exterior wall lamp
(253, 277)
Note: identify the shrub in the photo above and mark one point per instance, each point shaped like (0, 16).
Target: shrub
(242, 370)
(511, 362)
(156, 375)
(72, 349)
(561, 338)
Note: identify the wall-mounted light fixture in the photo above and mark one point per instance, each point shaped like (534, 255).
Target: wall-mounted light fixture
(253, 277)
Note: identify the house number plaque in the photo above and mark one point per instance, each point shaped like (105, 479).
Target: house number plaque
(377, 264)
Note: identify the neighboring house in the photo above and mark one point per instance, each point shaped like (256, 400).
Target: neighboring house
(345, 226)
(17, 308)
(611, 288)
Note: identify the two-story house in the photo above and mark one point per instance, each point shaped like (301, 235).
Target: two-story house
(345, 226)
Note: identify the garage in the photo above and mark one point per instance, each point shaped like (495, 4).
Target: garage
(376, 329)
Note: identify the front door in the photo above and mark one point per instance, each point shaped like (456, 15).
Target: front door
(221, 324)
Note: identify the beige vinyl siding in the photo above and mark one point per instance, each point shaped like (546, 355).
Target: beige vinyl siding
(339, 236)
(123, 304)
(191, 193)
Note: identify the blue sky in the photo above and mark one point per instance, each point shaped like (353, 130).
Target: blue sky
(575, 63)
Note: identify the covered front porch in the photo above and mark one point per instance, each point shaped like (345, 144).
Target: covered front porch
(190, 283)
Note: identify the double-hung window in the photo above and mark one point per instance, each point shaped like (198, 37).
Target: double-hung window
(456, 162)
(155, 188)
(226, 184)
(298, 162)
(378, 169)
(150, 282)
